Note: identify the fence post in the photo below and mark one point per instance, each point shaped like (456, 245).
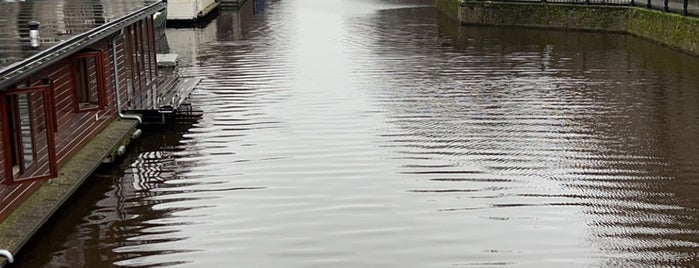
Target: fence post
(666, 6)
(649, 5)
(684, 7)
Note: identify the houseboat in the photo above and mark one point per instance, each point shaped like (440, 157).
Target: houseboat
(190, 10)
(69, 72)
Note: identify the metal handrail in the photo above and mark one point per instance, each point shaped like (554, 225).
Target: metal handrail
(18, 71)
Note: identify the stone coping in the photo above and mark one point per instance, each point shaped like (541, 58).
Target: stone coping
(669, 29)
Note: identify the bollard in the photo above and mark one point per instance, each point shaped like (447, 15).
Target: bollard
(666, 6)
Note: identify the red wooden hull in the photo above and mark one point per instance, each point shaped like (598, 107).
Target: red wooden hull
(72, 128)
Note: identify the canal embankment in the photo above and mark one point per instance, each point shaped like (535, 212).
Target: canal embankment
(38, 208)
(672, 30)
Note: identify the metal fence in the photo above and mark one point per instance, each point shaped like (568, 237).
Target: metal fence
(683, 7)
(591, 2)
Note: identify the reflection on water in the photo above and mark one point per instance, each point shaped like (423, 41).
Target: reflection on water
(368, 133)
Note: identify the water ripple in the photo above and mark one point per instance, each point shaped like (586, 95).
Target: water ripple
(372, 133)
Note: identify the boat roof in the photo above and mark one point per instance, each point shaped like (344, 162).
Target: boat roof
(61, 22)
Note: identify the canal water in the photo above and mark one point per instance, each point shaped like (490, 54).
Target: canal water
(375, 133)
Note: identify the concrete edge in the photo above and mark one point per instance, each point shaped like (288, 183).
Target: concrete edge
(33, 213)
(671, 36)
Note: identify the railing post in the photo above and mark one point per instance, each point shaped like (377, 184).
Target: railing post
(684, 8)
(666, 6)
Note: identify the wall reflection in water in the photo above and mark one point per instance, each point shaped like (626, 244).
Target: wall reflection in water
(121, 201)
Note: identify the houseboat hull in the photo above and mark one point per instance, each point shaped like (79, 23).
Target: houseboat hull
(62, 103)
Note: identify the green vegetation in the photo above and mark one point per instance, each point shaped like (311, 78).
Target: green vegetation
(668, 29)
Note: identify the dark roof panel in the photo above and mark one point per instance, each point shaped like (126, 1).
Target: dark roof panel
(60, 20)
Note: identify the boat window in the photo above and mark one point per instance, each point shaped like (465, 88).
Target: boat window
(27, 141)
(89, 81)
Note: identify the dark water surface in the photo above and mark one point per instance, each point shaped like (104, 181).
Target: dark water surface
(369, 133)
